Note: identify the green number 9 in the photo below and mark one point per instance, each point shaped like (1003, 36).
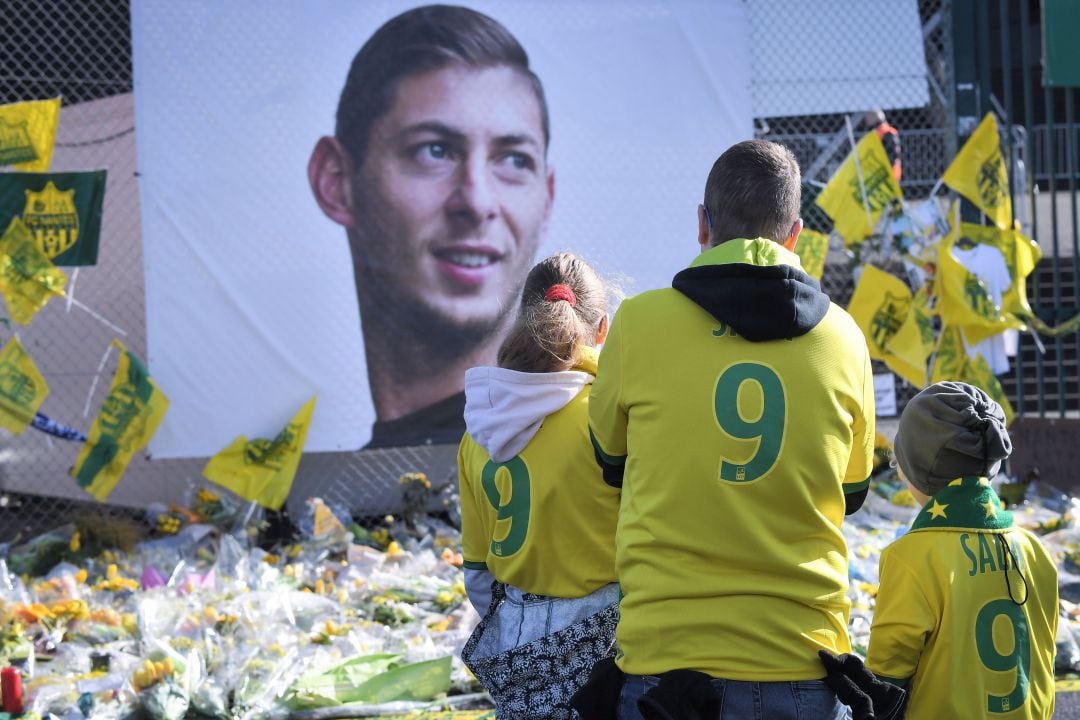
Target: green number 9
(515, 510)
(767, 428)
(1019, 659)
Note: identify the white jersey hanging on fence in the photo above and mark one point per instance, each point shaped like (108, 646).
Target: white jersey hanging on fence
(988, 264)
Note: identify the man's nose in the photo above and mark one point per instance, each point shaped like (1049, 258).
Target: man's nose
(474, 197)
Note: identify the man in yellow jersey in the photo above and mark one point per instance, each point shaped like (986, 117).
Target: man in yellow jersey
(737, 406)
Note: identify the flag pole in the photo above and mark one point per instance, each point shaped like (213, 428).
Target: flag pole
(858, 171)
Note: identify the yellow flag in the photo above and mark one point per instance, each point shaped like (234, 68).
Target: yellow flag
(27, 134)
(27, 277)
(812, 249)
(963, 299)
(977, 372)
(879, 307)
(22, 388)
(128, 418)
(949, 355)
(843, 197)
(978, 173)
(263, 470)
(1021, 254)
(908, 350)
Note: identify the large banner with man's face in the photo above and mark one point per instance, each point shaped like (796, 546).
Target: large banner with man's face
(341, 199)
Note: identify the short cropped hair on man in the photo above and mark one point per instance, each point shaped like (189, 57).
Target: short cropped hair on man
(415, 42)
(753, 190)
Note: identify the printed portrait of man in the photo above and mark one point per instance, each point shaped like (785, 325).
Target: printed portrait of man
(437, 170)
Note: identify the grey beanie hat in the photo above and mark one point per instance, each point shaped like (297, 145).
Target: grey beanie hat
(949, 430)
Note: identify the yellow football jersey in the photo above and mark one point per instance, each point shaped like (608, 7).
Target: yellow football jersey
(965, 639)
(737, 457)
(543, 521)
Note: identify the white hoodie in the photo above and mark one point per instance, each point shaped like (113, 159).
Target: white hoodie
(504, 409)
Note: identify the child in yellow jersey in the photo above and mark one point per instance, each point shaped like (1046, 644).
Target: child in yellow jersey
(538, 519)
(967, 610)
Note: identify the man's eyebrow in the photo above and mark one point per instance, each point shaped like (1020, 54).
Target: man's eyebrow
(445, 131)
(434, 128)
(517, 140)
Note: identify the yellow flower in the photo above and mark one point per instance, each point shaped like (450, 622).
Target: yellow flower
(75, 542)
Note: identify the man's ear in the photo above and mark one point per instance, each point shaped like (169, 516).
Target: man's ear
(703, 229)
(793, 235)
(330, 173)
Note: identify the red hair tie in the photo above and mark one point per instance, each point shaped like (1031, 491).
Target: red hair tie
(561, 292)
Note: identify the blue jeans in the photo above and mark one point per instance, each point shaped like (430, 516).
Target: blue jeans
(799, 700)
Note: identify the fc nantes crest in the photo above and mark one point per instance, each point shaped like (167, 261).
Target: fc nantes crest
(15, 143)
(62, 211)
(993, 183)
(53, 219)
(889, 317)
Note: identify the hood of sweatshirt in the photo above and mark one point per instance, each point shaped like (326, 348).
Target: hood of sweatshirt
(757, 287)
(505, 408)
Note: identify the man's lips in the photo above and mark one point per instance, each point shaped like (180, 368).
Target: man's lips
(467, 264)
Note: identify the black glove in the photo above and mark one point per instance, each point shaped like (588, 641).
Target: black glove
(598, 698)
(681, 695)
(858, 688)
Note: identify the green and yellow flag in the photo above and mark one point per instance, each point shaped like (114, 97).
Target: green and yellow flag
(261, 470)
(978, 173)
(27, 277)
(855, 214)
(950, 355)
(812, 249)
(27, 134)
(907, 351)
(879, 306)
(963, 299)
(128, 418)
(62, 210)
(22, 388)
(1021, 254)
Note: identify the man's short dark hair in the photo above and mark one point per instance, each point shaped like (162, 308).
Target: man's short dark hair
(417, 41)
(753, 190)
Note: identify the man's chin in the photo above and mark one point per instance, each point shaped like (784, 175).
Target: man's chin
(447, 333)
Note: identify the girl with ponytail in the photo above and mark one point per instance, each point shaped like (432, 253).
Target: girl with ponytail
(538, 519)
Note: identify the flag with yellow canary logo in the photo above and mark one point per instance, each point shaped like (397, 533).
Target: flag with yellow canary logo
(28, 279)
(855, 213)
(907, 351)
(61, 210)
(963, 299)
(262, 470)
(127, 420)
(879, 306)
(27, 134)
(812, 248)
(978, 173)
(22, 388)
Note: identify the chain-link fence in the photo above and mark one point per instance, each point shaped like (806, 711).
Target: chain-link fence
(82, 52)
(918, 107)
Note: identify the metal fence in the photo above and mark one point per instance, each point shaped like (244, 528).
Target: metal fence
(82, 52)
(822, 142)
